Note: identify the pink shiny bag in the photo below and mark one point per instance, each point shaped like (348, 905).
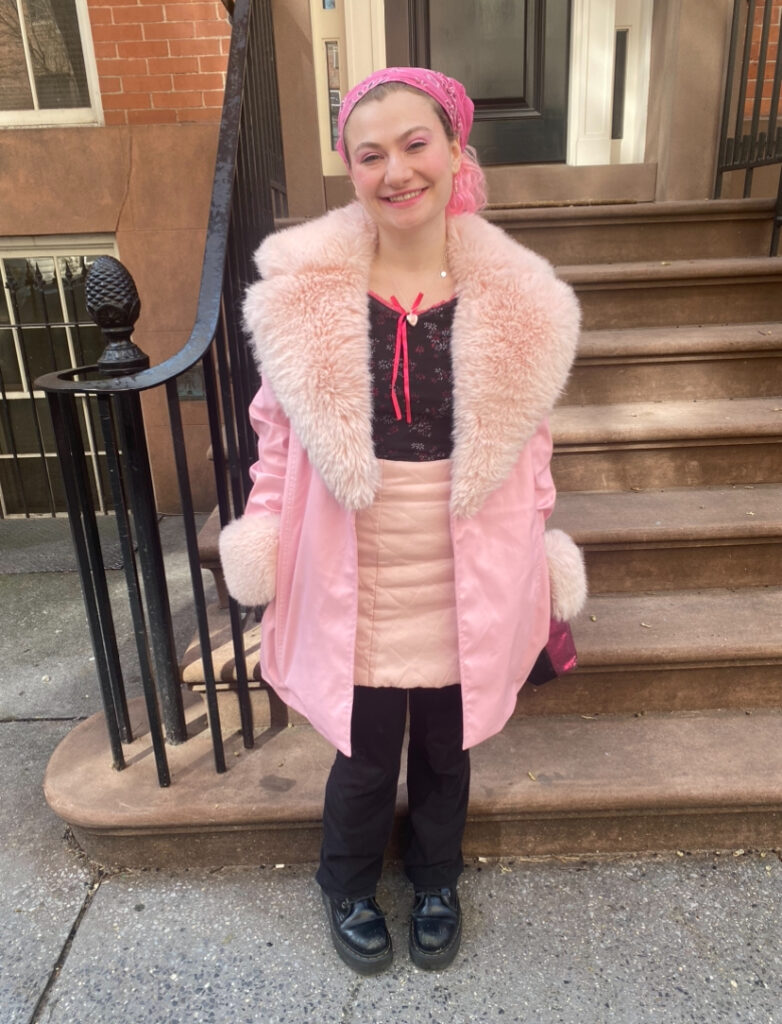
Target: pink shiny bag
(557, 657)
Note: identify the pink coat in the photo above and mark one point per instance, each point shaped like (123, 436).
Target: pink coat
(514, 338)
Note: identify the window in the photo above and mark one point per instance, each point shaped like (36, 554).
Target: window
(44, 326)
(47, 69)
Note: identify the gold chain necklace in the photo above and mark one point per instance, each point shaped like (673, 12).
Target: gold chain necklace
(412, 317)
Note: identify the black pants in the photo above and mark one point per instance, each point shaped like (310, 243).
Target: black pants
(361, 791)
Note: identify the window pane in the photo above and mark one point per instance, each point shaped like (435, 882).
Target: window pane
(73, 271)
(44, 350)
(5, 316)
(88, 343)
(461, 34)
(34, 291)
(35, 481)
(23, 426)
(55, 49)
(15, 92)
(9, 364)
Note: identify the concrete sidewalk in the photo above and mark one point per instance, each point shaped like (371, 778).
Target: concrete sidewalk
(627, 941)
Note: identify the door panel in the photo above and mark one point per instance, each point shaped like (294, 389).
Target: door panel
(513, 58)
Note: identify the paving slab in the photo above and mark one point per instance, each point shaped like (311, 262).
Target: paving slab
(46, 656)
(42, 884)
(687, 939)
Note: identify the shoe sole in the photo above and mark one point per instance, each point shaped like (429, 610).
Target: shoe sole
(360, 964)
(435, 961)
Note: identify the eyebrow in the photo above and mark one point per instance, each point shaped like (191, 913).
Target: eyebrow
(402, 137)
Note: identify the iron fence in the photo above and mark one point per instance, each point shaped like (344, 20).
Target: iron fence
(248, 191)
(750, 134)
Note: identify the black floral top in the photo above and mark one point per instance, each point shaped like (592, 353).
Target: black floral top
(427, 437)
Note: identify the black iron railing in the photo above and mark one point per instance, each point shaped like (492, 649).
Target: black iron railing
(248, 193)
(751, 134)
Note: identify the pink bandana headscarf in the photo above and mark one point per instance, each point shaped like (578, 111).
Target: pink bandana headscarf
(469, 185)
(446, 91)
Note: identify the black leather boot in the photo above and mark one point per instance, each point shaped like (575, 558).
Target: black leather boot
(358, 929)
(435, 928)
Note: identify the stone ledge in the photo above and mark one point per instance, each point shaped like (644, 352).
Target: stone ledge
(575, 785)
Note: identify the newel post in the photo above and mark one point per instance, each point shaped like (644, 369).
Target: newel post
(112, 301)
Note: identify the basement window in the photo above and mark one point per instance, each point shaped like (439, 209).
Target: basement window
(47, 67)
(44, 326)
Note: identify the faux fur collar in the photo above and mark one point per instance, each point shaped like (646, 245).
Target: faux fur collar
(514, 338)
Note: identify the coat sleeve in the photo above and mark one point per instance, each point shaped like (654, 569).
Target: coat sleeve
(248, 545)
(567, 574)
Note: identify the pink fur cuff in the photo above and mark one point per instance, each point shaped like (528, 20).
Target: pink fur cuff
(248, 553)
(566, 574)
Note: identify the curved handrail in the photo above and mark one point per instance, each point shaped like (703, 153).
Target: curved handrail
(210, 289)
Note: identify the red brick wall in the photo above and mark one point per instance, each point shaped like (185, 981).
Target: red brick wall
(771, 58)
(160, 62)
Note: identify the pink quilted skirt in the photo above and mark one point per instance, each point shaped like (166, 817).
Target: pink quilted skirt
(406, 606)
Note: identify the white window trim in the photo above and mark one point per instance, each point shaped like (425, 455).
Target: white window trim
(636, 16)
(92, 115)
(593, 34)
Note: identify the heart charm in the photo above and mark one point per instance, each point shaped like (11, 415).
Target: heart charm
(412, 319)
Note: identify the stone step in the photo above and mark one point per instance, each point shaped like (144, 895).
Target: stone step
(677, 363)
(562, 785)
(654, 445)
(654, 293)
(670, 651)
(684, 538)
(639, 650)
(209, 554)
(626, 232)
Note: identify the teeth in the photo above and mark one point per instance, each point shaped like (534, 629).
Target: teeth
(402, 198)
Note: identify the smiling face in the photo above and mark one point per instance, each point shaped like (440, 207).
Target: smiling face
(402, 162)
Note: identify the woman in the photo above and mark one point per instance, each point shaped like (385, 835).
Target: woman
(410, 355)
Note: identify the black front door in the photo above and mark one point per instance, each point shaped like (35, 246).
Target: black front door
(511, 55)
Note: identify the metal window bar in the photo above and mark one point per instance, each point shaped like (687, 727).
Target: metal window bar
(245, 197)
(8, 428)
(76, 349)
(29, 388)
(756, 140)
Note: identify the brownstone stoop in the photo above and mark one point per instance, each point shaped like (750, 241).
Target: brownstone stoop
(668, 461)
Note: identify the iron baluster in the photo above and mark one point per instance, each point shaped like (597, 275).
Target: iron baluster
(113, 448)
(751, 146)
(243, 203)
(91, 575)
(138, 475)
(237, 633)
(180, 455)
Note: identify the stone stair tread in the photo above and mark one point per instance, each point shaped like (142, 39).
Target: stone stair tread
(559, 767)
(679, 514)
(221, 638)
(674, 210)
(655, 273)
(700, 339)
(695, 627)
(208, 538)
(638, 422)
